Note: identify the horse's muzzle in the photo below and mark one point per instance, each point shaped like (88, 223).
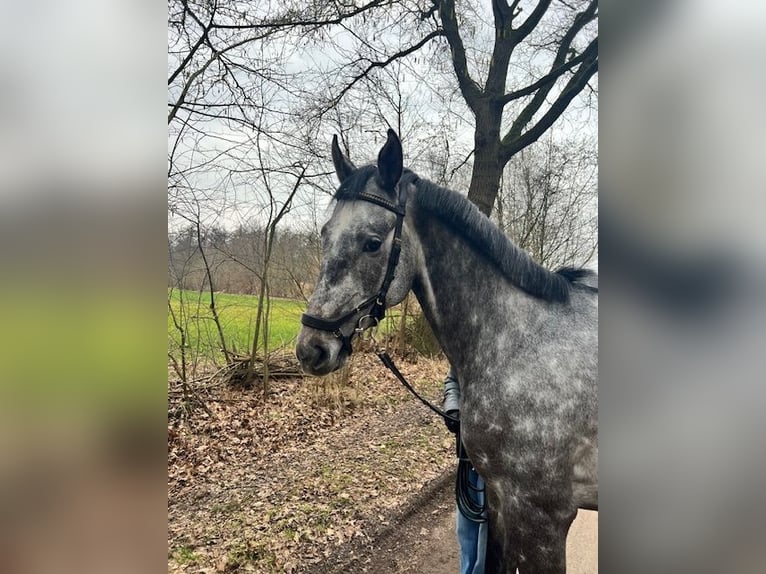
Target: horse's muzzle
(318, 354)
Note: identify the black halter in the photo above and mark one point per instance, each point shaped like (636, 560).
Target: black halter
(376, 303)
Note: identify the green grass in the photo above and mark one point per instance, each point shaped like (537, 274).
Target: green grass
(237, 314)
(185, 555)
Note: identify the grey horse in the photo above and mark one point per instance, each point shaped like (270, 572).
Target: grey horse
(522, 339)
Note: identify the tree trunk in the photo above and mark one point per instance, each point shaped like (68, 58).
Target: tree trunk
(485, 179)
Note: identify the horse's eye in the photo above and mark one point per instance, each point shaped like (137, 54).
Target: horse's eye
(372, 245)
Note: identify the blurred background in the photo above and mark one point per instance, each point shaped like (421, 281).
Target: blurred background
(82, 235)
(682, 257)
(95, 203)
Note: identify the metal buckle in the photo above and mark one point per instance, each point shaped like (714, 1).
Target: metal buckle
(367, 332)
(361, 329)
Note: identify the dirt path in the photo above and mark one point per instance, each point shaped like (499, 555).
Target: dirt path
(421, 539)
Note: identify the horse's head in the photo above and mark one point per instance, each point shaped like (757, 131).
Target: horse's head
(361, 271)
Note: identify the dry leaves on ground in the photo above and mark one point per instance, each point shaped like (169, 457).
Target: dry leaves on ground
(277, 485)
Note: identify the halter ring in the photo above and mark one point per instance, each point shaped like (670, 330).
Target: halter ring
(360, 329)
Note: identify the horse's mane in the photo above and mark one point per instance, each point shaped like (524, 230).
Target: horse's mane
(464, 217)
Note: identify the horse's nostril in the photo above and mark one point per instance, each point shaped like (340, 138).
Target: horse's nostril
(320, 354)
(312, 355)
(303, 354)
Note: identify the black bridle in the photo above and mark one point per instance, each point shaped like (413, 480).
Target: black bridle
(377, 310)
(377, 303)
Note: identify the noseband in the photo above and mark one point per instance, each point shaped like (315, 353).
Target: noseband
(377, 303)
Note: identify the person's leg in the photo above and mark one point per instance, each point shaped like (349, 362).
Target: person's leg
(481, 538)
(472, 536)
(467, 533)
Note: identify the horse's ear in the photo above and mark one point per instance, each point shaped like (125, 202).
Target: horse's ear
(390, 160)
(343, 166)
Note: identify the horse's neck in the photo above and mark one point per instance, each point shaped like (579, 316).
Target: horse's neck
(466, 300)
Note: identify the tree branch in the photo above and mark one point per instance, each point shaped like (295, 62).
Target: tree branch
(551, 76)
(520, 33)
(382, 64)
(203, 39)
(468, 87)
(502, 13)
(573, 87)
(287, 21)
(526, 114)
(270, 27)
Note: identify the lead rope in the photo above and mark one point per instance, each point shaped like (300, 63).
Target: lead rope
(386, 359)
(465, 492)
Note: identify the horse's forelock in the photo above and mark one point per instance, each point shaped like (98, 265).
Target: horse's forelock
(355, 183)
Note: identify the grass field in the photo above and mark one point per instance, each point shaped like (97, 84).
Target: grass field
(237, 314)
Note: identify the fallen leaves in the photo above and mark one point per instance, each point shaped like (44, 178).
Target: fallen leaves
(273, 486)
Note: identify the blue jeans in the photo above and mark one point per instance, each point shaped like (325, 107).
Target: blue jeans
(472, 536)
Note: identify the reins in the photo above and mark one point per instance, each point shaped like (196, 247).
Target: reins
(386, 359)
(465, 492)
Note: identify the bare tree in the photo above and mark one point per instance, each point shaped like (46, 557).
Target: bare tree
(574, 62)
(517, 69)
(276, 214)
(547, 202)
(194, 218)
